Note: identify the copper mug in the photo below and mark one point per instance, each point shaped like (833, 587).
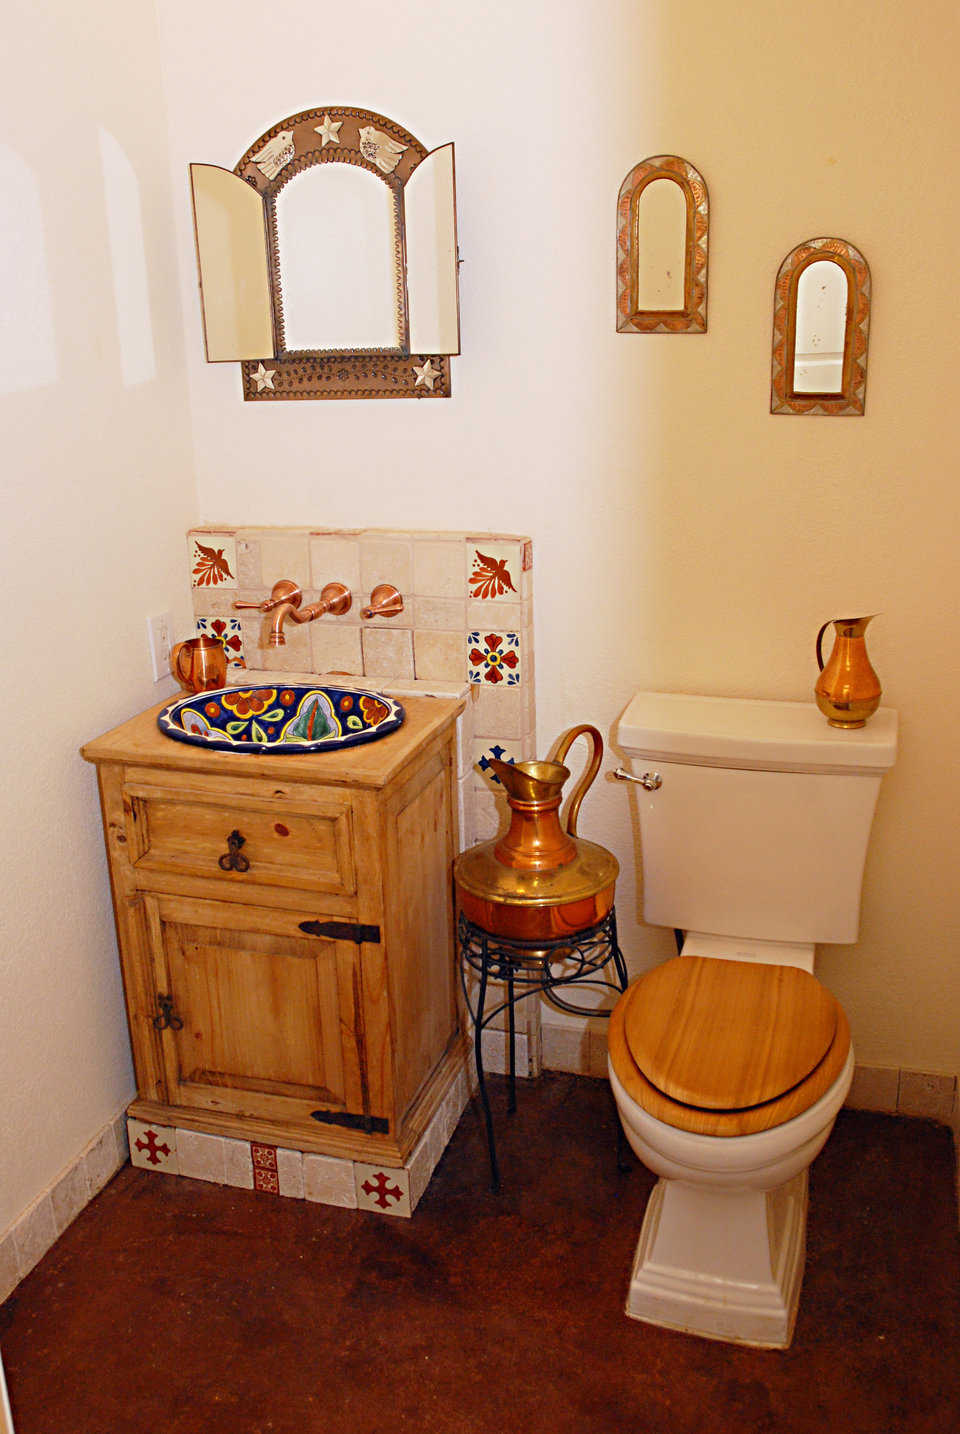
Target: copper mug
(199, 664)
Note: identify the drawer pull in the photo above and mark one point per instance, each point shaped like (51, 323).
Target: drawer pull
(167, 1020)
(234, 860)
(343, 931)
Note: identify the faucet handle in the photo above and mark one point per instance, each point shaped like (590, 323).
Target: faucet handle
(335, 598)
(283, 591)
(385, 601)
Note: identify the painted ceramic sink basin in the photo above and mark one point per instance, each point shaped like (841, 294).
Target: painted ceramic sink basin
(294, 718)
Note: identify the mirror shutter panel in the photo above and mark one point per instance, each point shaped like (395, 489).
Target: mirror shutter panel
(232, 255)
(431, 233)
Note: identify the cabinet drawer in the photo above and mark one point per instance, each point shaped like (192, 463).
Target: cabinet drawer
(238, 840)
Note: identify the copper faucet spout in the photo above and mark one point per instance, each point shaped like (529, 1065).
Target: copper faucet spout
(334, 598)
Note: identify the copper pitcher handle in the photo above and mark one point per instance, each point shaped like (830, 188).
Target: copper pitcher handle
(563, 746)
(182, 677)
(820, 642)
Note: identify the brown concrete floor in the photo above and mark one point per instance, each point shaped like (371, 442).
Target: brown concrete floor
(184, 1308)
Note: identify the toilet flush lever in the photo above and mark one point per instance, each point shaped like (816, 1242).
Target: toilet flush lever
(650, 781)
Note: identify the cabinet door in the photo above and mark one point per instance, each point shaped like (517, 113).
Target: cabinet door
(257, 1018)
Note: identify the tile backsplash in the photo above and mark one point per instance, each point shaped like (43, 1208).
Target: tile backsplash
(467, 620)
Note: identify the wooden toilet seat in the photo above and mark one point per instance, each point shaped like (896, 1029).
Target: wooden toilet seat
(727, 1048)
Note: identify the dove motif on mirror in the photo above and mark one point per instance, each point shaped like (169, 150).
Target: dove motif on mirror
(328, 260)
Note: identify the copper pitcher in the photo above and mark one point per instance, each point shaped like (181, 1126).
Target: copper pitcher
(199, 664)
(539, 881)
(848, 690)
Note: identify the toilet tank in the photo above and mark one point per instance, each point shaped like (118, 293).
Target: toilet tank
(759, 827)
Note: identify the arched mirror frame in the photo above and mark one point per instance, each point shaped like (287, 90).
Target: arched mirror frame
(851, 400)
(692, 318)
(330, 134)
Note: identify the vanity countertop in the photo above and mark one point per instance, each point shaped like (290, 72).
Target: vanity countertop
(369, 764)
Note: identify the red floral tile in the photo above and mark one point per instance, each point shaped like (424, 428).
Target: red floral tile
(493, 657)
(265, 1176)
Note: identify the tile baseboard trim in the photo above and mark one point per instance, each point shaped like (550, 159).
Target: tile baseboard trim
(31, 1235)
(303, 1175)
(226, 1162)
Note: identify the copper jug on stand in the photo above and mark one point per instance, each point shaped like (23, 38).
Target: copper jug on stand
(848, 690)
(539, 881)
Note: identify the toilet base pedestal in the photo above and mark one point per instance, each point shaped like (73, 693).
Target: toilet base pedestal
(725, 1264)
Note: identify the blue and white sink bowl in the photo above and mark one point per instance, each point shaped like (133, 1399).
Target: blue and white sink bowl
(291, 718)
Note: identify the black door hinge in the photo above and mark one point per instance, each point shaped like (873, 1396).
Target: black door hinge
(352, 1121)
(343, 931)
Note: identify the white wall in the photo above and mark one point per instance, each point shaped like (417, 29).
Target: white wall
(685, 539)
(97, 490)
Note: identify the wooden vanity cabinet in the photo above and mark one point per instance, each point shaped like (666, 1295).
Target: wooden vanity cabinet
(285, 927)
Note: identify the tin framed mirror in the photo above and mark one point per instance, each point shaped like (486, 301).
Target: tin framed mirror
(821, 322)
(328, 260)
(662, 232)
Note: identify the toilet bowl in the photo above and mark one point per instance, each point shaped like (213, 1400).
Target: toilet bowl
(722, 1245)
(729, 1062)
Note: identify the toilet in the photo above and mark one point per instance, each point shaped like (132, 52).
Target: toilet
(730, 1061)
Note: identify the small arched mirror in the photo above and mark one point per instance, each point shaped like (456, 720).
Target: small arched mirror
(821, 320)
(662, 221)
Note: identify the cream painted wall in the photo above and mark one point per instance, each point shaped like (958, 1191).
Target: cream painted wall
(685, 539)
(97, 490)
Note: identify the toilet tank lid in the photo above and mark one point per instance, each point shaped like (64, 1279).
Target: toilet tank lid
(743, 732)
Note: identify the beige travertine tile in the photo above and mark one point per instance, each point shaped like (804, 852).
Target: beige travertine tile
(566, 1048)
(489, 814)
(70, 1194)
(423, 1160)
(329, 1181)
(386, 560)
(438, 569)
(104, 1156)
(336, 648)
(335, 559)
(438, 654)
(926, 1095)
(201, 1156)
(9, 1267)
(217, 603)
(387, 653)
(120, 1135)
(237, 1163)
(439, 613)
(290, 1173)
(501, 711)
(294, 656)
(285, 554)
(498, 615)
(496, 1053)
(874, 1088)
(249, 568)
(34, 1233)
